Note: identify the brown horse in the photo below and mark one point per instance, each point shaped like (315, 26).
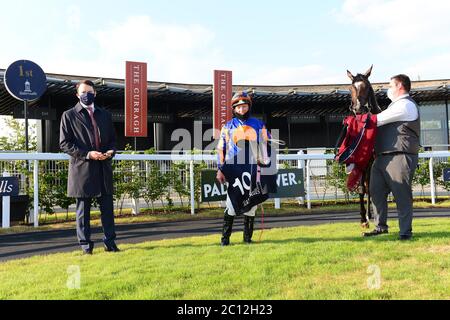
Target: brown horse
(363, 101)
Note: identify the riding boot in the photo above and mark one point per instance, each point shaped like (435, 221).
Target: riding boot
(227, 229)
(248, 228)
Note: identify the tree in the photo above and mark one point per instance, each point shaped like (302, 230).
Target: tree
(337, 178)
(157, 183)
(438, 169)
(127, 179)
(176, 181)
(422, 175)
(13, 136)
(60, 187)
(198, 168)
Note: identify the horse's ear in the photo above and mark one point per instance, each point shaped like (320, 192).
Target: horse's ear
(369, 72)
(349, 74)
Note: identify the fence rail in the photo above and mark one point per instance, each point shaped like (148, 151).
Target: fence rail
(313, 165)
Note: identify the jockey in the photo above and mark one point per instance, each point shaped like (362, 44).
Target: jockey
(242, 145)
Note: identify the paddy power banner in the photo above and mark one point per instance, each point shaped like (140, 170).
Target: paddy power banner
(136, 99)
(289, 185)
(223, 90)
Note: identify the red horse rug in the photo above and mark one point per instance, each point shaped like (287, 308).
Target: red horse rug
(356, 149)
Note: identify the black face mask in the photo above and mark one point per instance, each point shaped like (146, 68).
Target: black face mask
(87, 98)
(242, 117)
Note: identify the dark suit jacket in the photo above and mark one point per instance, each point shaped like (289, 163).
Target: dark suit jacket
(77, 139)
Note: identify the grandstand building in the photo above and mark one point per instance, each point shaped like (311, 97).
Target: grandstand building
(307, 116)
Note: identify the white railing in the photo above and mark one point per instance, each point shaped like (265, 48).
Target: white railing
(303, 161)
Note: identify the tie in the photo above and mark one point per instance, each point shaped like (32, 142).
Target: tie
(94, 125)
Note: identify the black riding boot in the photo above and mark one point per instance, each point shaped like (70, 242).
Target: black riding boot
(227, 228)
(248, 228)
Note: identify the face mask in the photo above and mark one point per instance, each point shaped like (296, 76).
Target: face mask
(87, 98)
(242, 117)
(390, 94)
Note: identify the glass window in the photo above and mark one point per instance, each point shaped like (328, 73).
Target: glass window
(434, 125)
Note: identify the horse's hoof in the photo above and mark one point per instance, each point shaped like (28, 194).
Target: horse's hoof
(365, 225)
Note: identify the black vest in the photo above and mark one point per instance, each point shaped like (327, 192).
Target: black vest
(400, 136)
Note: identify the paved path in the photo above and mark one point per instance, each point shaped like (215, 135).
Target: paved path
(16, 246)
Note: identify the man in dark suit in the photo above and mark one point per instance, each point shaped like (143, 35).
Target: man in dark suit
(87, 135)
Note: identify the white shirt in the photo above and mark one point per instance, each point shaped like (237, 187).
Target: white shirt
(85, 106)
(399, 110)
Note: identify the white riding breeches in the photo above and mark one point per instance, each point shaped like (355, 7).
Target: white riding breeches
(230, 210)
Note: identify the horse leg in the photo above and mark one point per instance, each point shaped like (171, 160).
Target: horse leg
(369, 198)
(364, 221)
(363, 212)
(369, 212)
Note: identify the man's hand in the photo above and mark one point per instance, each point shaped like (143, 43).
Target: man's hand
(221, 177)
(96, 156)
(108, 154)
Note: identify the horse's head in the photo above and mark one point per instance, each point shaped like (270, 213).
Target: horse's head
(363, 96)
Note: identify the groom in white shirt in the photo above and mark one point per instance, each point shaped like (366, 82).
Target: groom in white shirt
(396, 148)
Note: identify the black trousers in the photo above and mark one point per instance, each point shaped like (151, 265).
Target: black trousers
(83, 210)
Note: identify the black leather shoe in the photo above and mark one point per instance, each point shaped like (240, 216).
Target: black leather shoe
(111, 248)
(374, 232)
(87, 251)
(225, 242)
(404, 238)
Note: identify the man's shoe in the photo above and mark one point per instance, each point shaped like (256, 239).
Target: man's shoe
(111, 248)
(225, 242)
(374, 232)
(404, 238)
(87, 251)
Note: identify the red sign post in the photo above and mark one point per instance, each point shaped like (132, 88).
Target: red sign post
(136, 99)
(223, 90)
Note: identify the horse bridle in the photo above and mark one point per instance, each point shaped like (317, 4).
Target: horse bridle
(368, 106)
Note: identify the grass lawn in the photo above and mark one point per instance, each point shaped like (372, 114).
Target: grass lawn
(59, 221)
(329, 261)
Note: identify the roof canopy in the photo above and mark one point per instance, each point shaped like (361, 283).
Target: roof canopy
(290, 97)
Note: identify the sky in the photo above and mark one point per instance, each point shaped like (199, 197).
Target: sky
(263, 42)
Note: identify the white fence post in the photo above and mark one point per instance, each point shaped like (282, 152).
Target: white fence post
(36, 193)
(301, 165)
(6, 208)
(305, 162)
(277, 200)
(308, 183)
(433, 188)
(191, 172)
(135, 208)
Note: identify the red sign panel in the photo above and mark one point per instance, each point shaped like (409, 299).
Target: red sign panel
(223, 90)
(136, 99)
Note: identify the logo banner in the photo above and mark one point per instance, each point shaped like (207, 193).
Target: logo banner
(136, 99)
(223, 90)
